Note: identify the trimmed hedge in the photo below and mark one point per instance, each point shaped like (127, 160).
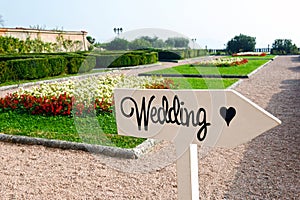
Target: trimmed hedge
(123, 60)
(35, 68)
(81, 64)
(179, 54)
(56, 65)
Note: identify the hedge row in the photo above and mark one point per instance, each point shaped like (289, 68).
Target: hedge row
(34, 68)
(124, 60)
(15, 67)
(180, 54)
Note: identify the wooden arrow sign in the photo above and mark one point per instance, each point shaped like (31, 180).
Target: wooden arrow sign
(222, 118)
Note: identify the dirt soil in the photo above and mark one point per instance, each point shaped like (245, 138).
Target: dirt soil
(264, 168)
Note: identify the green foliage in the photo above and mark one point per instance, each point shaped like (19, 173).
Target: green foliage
(63, 128)
(5, 72)
(56, 65)
(177, 42)
(283, 47)
(139, 44)
(124, 59)
(103, 61)
(34, 66)
(241, 43)
(28, 69)
(179, 54)
(201, 83)
(90, 39)
(145, 42)
(80, 64)
(154, 42)
(88, 64)
(118, 44)
(134, 58)
(10, 45)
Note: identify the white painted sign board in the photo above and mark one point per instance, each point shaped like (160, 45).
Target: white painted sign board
(222, 118)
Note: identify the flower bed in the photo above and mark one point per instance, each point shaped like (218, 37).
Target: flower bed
(76, 97)
(222, 62)
(250, 54)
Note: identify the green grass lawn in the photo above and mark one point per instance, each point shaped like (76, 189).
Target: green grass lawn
(201, 83)
(66, 128)
(234, 70)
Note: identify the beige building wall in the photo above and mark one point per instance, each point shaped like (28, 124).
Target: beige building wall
(46, 35)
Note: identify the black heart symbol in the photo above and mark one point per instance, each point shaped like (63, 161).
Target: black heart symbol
(227, 114)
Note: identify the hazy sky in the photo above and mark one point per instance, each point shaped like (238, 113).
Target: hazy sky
(211, 22)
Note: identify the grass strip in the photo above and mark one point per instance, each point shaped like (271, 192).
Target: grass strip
(64, 128)
(206, 70)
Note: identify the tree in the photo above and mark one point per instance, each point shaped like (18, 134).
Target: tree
(170, 42)
(177, 42)
(284, 46)
(1, 21)
(159, 44)
(241, 43)
(117, 44)
(139, 44)
(90, 39)
(149, 39)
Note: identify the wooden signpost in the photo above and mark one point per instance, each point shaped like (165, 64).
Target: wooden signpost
(221, 118)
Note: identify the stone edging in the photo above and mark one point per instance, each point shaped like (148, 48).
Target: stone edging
(96, 149)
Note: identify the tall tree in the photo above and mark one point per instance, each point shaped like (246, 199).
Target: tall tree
(241, 43)
(177, 42)
(284, 46)
(117, 44)
(139, 44)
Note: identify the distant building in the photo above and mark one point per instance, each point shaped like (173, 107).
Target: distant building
(47, 35)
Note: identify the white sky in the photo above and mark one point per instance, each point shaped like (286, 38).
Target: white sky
(211, 22)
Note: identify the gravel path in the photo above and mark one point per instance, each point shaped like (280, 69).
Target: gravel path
(265, 168)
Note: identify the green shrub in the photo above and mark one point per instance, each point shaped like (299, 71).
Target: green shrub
(88, 64)
(74, 63)
(28, 69)
(121, 61)
(80, 64)
(56, 65)
(103, 61)
(168, 55)
(6, 57)
(5, 72)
